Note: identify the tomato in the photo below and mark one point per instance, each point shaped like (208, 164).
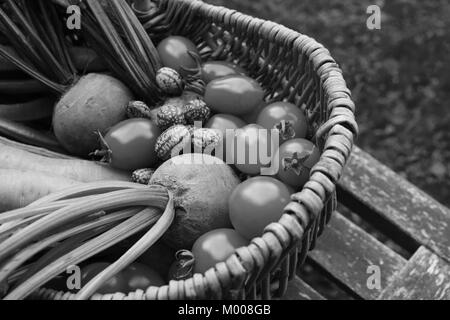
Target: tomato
(226, 124)
(236, 95)
(213, 70)
(132, 144)
(214, 247)
(286, 117)
(292, 190)
(174, 53)
(252, 117)
(115, 284)
(159, 258)
(256, 203)
(296, 158)
(185, 98)
(139, 276)
(252, 149)
(135, 276)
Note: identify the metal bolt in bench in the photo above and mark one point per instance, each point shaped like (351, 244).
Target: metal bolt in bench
(405, 215)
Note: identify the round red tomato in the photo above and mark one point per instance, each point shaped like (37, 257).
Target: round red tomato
(115, 284)
(214, 247)
(226, 124)
(252, 117)
(139, 276)
(252, 149)
(236, 95)
(132, 144)
(296, 158)
(174, 53)
(213, 70)
(257, 202)
(286, 117)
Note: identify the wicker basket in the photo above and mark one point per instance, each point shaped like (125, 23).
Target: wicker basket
(291, 67)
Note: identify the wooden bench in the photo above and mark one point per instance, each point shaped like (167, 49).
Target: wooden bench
(410, 249)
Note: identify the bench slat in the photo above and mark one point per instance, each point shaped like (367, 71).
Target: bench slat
(300, 290)
(386, 194)
(425, 277)
(346, 251)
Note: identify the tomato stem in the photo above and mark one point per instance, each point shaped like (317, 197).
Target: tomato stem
(193, 80)
(184, 265)
(296, 163)
(286, 129)
(105, 152)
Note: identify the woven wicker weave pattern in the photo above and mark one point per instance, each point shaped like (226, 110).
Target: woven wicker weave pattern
(290, 66)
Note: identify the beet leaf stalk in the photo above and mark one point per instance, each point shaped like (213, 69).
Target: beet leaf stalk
(83, 221)
(35, 32)
(115, 32)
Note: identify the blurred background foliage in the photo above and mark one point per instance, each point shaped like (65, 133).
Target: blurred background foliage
(399, 75)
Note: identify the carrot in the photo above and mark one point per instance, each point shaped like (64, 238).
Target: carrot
(35, 150)
(22, 86)
(37, 109)
(21, 188)
(74, 169)
(28, 135)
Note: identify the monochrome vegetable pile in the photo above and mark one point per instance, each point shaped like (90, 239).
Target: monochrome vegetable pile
(131, 155)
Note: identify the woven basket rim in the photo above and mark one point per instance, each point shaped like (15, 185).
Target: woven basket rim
(339, 129)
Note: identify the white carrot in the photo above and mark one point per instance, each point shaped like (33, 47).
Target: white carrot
(73, 169)
(20, 188)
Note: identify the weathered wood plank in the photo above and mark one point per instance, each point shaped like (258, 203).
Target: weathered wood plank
(425, 277)
(346, 252)
(300, 290)
(397, 201)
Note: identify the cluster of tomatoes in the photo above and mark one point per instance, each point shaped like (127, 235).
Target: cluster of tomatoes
(237, 104)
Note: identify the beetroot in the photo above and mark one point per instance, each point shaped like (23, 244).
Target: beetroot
(201, 186)
(95, 103)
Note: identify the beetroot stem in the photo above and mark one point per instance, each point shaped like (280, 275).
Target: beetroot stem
(77, 239)
(9, 228)
(86, 189)
(133, 225)
(148, 240)
(37, 210)
(92, 228)
(110, 201)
